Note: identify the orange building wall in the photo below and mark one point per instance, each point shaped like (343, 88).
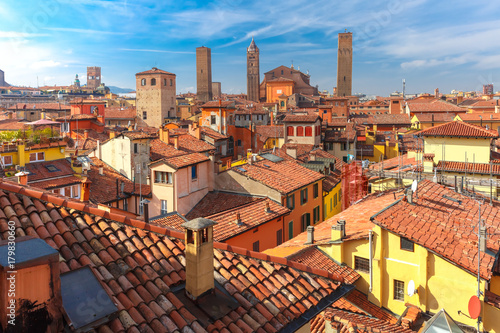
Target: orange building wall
(299, 210)
(276, 89)
(87, 108)
(265, 234)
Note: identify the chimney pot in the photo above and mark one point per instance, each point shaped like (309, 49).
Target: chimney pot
(310, 234)
(176, 142)
(199, 253)
(238, 219)
(268, 209)
(22, 177)
(482, 238)
(101, 170)
(409, 196)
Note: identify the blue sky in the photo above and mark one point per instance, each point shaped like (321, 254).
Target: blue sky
(432, 44)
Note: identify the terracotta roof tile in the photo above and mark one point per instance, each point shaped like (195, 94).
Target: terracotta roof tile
(471, 168)
(119, 113)
(301, 118)
(312, 256)
(285, 176)
(103, 188)
(49, 169)
(154, 70)
(417, 106)
(459, 129)
(450, 236)
(216, 202)
(143, 308)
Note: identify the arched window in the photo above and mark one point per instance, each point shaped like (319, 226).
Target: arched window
(153, 82)
(300, 131)
(143, 82)
(289, 131)
(309, 131)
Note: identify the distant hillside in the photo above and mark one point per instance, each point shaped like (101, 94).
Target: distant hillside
(118, 90)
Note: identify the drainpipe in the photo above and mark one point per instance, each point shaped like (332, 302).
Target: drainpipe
(370, 244)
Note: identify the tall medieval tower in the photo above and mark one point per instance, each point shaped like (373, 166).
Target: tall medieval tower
(203, 74)
(93, 77)
(344, 65)
(155, 96)
(253, 76)
(2, 79)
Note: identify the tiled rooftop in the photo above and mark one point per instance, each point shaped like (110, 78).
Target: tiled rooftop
(216, 202)
(159, 149)
(270, 131)
(190, 144)
(185, 160)
(103, 188)
(120, 113)
(285, 176)
(212, 134)
(154, 70)
(49, 169)
(301, 118)
(252, 215)
(436, 117)
(444, 226)
(459, 129)
(434, 106)
(57, 182)
(139, 264)
(357, 219)
(40, 106)
(470, 168)
(312, 256)
(382, 119)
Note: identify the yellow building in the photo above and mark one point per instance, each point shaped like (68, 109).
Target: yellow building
(426, 238)
(423, 121)
(19, 153)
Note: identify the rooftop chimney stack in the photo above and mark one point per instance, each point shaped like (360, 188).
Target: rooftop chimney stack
(101, 171)
(85, 191)
(409, 196)
(482, 238)
(338, 231)
(310, 234)
(22, 177)
(238, 219)
(268, 209)
(199, 257)
(176, 142)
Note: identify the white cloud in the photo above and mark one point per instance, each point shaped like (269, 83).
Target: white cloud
(158, 51)
(45, 64)
(86, 31)
(17, 34)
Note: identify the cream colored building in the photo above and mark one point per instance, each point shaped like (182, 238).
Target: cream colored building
(179, 183)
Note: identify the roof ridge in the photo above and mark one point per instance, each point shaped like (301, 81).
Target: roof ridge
(236, 208)
(279, 260)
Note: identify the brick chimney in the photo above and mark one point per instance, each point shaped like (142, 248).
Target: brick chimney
(22, 177)
(85, 191)
(86, 134)
(199, 257)
(176, 142)
(35, 279)
(268, 209)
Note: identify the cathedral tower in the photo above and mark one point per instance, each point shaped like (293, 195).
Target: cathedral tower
(344, 65)
(253, 77)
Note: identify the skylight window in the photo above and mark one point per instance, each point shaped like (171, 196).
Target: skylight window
(52, 168)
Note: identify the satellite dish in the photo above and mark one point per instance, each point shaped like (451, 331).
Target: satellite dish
(411, 288)
(474, 307)
(414, 186)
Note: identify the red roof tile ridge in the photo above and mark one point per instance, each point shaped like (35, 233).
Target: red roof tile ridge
(86, 207)
(279, 260)
(432, 130)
